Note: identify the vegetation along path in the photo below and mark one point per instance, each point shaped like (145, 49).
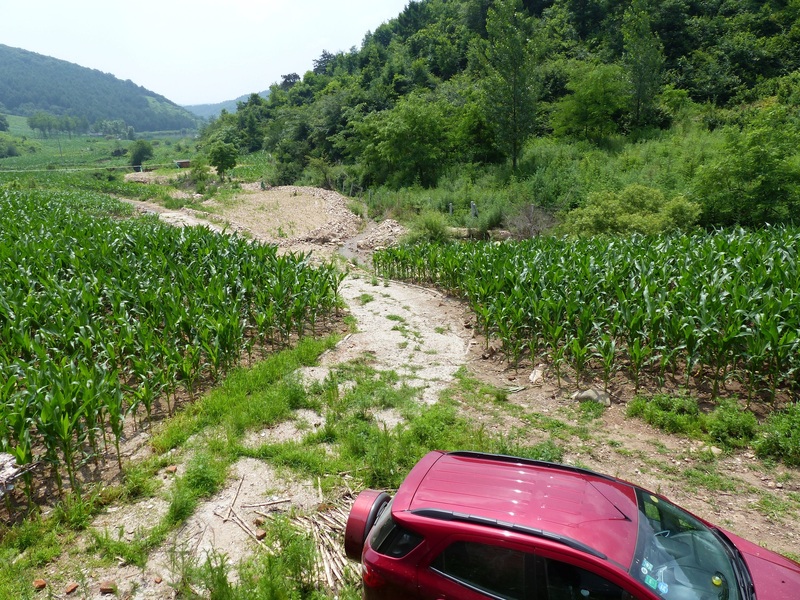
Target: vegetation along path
(260, 471)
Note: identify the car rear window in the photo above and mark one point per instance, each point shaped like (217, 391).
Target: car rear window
(389, 539)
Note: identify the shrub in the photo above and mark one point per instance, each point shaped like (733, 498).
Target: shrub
(781, 436)
(675, 414)
(429, 226)
(7, 147)
(636, 209)
(731, 426)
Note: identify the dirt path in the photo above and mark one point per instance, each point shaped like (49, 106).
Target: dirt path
(425, 338)
(414, 332)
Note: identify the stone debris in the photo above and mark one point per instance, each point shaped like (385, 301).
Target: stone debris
(386, 234)
(537, 376)
(593, 395)
(342, 223)
(10, 471)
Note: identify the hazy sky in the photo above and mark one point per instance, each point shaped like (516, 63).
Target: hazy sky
(193, 51)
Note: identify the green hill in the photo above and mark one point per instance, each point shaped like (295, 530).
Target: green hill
(660, 113)
(210, 111)
(31, 82)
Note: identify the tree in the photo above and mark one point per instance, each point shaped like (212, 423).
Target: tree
(43, 122)
(599, 97)
(222, 156)
(643, 59)
(636, 209)
(756, 180)
(141, 151)
(288, 81)
(511, 87)
(4, 123)
(408, 144)
(324, 63)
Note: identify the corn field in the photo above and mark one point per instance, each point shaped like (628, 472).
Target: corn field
(102, 316)
(702, 308)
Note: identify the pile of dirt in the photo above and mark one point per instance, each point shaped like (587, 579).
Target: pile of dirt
(295, 218)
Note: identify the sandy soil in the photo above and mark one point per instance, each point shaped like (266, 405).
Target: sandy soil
(426, 337)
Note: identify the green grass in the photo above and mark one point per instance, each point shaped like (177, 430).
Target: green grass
(726, 424)
(262, 395)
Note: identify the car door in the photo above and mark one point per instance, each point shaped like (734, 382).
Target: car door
(558, 578)
(476, 569)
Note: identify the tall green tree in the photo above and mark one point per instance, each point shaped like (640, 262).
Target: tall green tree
(599, 98)
(4, 123)
(141, 151)
(756, 179)
(222, 156)
(511, 86)
(406, 145)
(643, 59)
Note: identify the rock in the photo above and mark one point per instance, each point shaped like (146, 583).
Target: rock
(108, 587)
(71, 588)
(260, 534)
(593, 395)
(537, 376)
(172, 469)
(158, 580)
(259, 521)
(39, 584)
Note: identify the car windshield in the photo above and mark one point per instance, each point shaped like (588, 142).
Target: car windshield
(679, 557)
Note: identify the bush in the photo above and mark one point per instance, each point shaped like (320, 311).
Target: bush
(636, 209)
(781, 436)
(7, 147)
(730, 426)
(675, 414)
(430, 226)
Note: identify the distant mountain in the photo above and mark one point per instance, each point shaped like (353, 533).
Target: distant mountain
(31, 82)
(209, 111)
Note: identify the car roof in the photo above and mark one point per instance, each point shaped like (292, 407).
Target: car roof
(594, 510)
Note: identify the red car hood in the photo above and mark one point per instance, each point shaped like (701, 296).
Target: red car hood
(775, 577)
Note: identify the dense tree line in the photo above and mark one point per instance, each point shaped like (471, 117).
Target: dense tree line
(30, 83)
(455, 83)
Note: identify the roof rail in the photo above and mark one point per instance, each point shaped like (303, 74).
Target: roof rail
(532, 462)
(446, 515)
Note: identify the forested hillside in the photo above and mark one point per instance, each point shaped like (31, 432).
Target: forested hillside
(613, 115)
(207, 111)
(30, 83)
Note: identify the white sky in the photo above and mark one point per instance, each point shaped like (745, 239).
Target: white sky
(193, 51)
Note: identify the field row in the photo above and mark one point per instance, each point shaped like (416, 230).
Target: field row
(703, 307)
(101, 315)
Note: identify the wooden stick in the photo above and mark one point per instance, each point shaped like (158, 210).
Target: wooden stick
(230, 508)
(238, 520)
(262, 504)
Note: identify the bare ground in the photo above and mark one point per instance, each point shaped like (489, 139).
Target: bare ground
(426, 337)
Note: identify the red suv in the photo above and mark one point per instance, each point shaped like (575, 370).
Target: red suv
(473, 526)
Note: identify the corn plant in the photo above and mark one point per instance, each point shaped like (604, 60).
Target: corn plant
(100, 317)
(707, 307)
